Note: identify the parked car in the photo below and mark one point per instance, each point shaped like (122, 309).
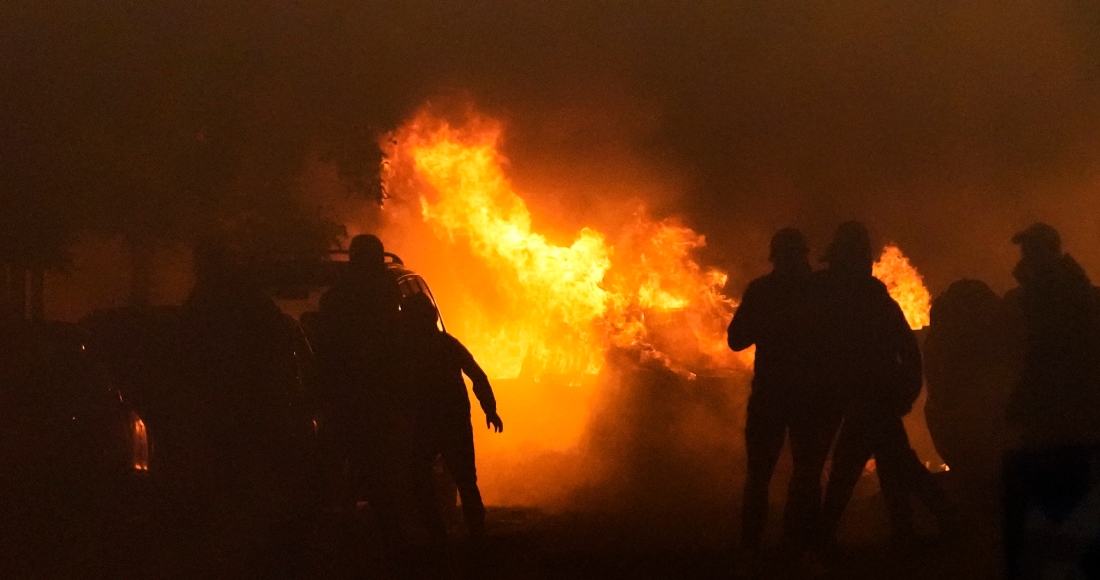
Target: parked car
(71, 447)
(182, 401)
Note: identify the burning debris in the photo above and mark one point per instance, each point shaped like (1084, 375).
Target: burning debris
(562, 305)
(568, 324)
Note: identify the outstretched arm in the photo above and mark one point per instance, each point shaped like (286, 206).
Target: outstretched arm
(482, 389)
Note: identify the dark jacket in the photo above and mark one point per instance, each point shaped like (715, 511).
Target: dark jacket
(435, 362)
(358, 334)
(778, 314)
(871, 356)
(1058, 395)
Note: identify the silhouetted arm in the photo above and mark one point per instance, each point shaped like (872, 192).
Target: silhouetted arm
(482, 390)
(910, 366)
(743, 329)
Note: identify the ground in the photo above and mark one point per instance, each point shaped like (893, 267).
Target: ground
(524, 543)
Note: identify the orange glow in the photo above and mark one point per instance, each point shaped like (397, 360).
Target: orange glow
(140, 443)
(556, 307)
(539, 304)
(905, 284)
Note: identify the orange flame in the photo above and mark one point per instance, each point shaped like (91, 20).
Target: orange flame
(563, 305)
(905, 284)
(139, 443)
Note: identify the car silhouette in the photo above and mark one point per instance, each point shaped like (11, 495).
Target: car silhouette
(71, 446)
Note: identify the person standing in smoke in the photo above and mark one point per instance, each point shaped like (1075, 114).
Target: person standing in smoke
(357, 353)
(435, 363)
(873, 363)
(777, 314)
(1057, 399)
(237, 346)
(971, 361)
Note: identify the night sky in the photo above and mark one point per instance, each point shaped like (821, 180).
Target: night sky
(947, 127)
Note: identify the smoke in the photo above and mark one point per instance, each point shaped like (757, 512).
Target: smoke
(661, 443)
(945, 127)
(651, 442)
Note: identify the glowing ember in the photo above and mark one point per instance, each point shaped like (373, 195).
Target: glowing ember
(905, 284)
(555, 309)
(140, 441)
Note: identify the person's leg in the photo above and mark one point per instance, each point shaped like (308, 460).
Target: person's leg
(811, 435)
(765, 430)
(850, 455)
(905, 475)
(373, 472)
(457, 446)
(896, 491)
(426, 448)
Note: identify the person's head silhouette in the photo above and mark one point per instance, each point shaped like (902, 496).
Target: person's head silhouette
(419, 313)
(366, 253)
(789, 250)
(850, 250)
(213, 261)
(1039, 242)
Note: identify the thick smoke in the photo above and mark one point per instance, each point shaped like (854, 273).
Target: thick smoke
(945, 127)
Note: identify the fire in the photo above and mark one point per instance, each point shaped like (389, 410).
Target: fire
(905, 284)
(555, 308)
(140, 443)
(542, 309)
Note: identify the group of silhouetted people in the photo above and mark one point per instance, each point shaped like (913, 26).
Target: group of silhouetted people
(837, 367)
(833, 353)
(394, 395)
(388, 385)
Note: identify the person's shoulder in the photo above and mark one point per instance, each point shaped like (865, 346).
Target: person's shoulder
(876, 288)
(762, 284)
(876, 285)
(451, 342)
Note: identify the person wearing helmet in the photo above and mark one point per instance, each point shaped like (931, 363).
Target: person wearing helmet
(873, 363)
(1057, 398)
(777, 314)
(435, 362)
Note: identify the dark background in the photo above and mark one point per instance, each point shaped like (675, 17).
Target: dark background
(947, 127)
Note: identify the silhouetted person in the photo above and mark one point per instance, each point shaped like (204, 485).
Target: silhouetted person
(1057, 400)
(436, 362)
(358, 318)
(357, 355)
(232, 409)
(971, 361)
(873, 361)
(777, 314)
(238, 347)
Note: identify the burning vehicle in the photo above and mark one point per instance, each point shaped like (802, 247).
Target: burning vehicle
(571, 320)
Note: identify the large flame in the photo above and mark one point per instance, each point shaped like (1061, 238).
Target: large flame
(541, 308)
(558, 307)
(906, 286)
